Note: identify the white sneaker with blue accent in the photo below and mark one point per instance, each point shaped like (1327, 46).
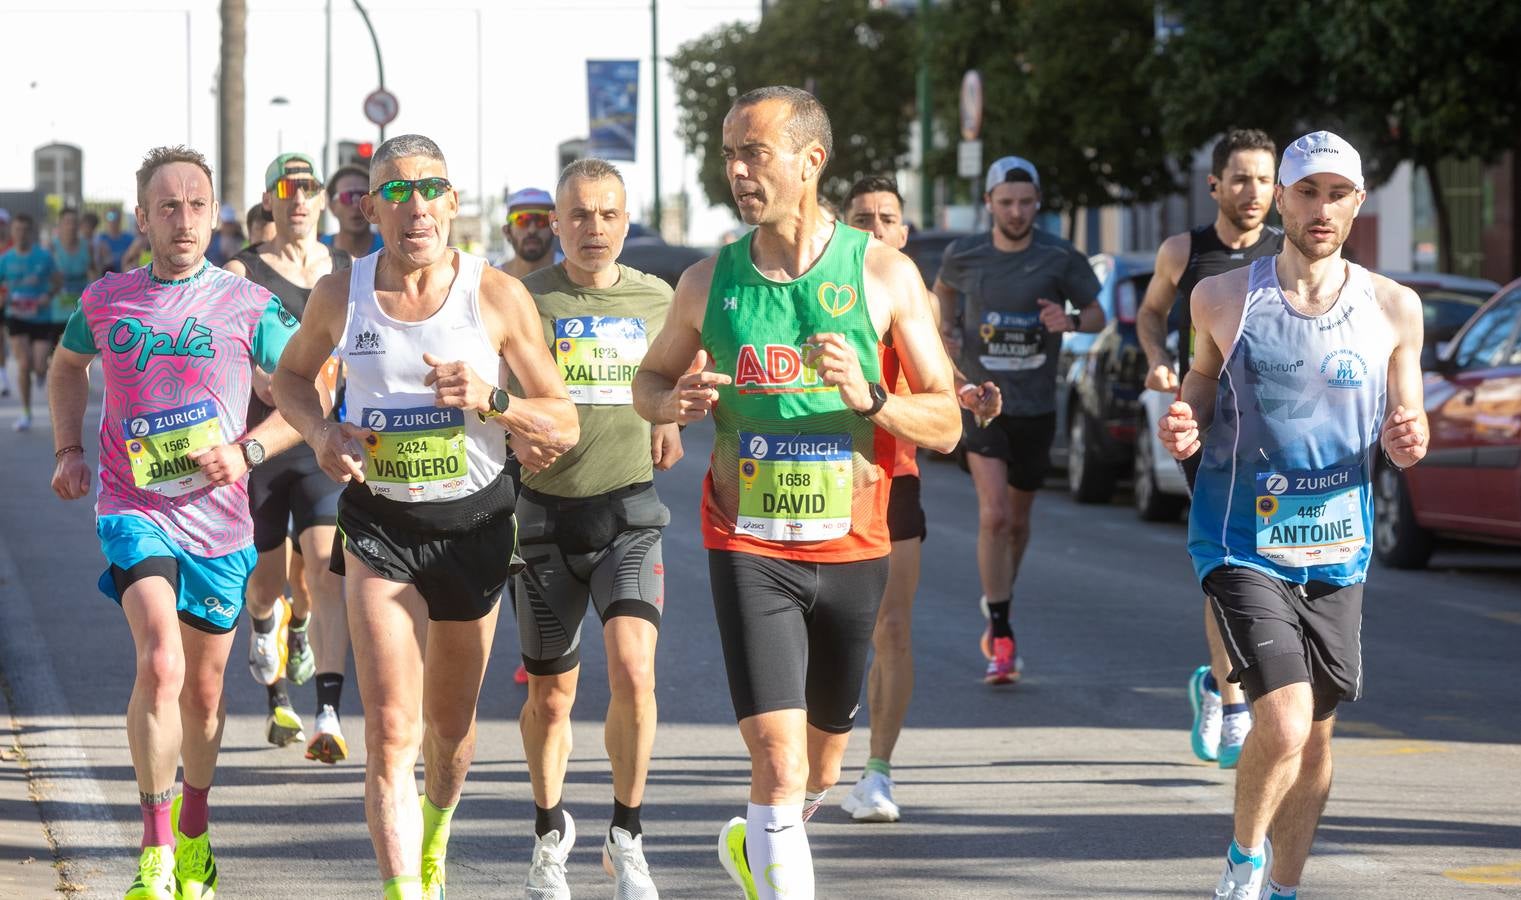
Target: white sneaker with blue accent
(1205, 736)
(1244, 875)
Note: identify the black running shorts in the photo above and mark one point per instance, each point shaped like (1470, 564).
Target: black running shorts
(47, 332)
(795, 635)
(605, 549)
(1022, 442)
(1278, 633)
(905, 512)
(290, 493)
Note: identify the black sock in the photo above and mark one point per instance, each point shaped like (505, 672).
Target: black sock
(264, 625)
(329, 690)
(277, 695)
(998, 614)
(625, 817)
(547, 820)
(298, 623)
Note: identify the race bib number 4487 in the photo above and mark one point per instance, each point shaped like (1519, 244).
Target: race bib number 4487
(1310, 518)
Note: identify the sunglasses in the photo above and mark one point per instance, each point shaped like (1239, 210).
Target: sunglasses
(400, 191)
(349, 198)
(287, 186)
(529, 219)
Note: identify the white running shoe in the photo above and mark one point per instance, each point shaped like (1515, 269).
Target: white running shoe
(266, 652)
(1242, 878)
(23, 422)
(546, 874)
(871, 800)
(1233, 731)
(623, 858)
(1205, 736)
(327, 743)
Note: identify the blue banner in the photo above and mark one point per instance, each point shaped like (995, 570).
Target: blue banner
(612, 102)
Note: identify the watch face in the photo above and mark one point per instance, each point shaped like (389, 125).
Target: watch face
(254, 451)
(499, 400)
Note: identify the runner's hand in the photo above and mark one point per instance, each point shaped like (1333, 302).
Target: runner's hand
(985, 401)
(665, 446)
(1054, 316)
(456, 385)
(1162, 378)
(695, 393)
(839, 366)
(533, 457)
(1179, 431)
(223, 464)
(71, 477)
(1404, 438)
(340, 451)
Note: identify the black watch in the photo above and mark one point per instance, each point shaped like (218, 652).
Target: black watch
(498, 403)
(253, 451)
(878, 400)
(1076, 320)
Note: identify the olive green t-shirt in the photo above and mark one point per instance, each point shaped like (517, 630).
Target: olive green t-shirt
(598, 338)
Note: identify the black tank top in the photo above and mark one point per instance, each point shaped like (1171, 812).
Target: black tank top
(1208, 255)
(292, 296)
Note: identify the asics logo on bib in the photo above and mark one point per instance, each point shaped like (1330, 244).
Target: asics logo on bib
(837, 299)
(130, 333)
(776, 368)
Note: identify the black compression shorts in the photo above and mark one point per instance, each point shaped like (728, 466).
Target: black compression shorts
(905, 511)
(290, 492)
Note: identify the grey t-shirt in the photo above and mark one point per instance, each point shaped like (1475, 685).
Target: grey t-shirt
(1002, 339)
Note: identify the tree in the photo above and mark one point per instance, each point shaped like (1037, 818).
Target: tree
(857, 60)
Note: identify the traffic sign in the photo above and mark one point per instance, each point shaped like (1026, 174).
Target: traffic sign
(971, 105)
(380, 107)
(969, 159)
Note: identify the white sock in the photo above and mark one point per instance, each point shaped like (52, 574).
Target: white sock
(777, 849)
(1275, 889)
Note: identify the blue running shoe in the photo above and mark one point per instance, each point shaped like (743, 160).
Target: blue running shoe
(1206, 704)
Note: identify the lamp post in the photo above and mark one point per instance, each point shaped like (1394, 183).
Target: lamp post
(380, 68)
(280, 127)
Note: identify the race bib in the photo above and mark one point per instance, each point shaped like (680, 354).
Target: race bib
(1310, 518)
(598, 357)
(1011, 342)
(25, 307)
(794, 487)
(66, 302)
(159, 445)
(415, 454)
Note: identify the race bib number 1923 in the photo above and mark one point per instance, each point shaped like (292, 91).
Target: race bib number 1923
(598, 356)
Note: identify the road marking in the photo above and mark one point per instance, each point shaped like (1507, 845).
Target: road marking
(1507, 873)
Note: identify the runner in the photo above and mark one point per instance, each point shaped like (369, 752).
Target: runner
(344, 191)
(426, 520)
(528, 231)
(292, 494)
(875, 205)
(1016, 281)
(26, 270)
(590, 525)
(1298, 358)
(111, 247)
(794, 317)
(73, 267)
(260, 227)
(177, 345)
(1241, 181)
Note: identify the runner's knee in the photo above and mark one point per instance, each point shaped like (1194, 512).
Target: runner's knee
(630, 679)
(451, 724)
(550, 700)
(780, 768)
(201, 700)
(390, 729)
(893, 636)
(161, 672)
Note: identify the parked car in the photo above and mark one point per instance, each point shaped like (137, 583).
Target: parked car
(1447, 301)
(665, 261)
(1469, 484)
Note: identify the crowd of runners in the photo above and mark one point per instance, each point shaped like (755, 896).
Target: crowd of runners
(369, 439)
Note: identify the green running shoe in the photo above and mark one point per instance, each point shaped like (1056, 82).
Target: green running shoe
(300, 662)
(195, 866)
(731, 852)
(283, 727)
(155, 876)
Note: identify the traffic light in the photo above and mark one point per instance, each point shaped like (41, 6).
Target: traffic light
(355, 153)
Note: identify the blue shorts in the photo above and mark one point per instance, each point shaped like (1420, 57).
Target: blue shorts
(209, 588)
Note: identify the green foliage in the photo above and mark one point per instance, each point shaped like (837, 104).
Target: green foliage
(856, 60)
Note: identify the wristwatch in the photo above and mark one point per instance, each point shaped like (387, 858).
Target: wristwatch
(498, 403)
(253, 451)
(878, 400)
(1076, 320)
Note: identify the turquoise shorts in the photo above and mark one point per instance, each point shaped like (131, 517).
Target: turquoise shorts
(209, 588)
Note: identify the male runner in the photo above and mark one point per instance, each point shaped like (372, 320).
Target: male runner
(111, 247)
(354, 236)
(874, 205)
(794, 318)
(1241, 181)
(1298, 358)
(292, 494)
(528, 231)
(1015, 281)
(259, 227)
(177, 344)
(73, 266)
(426, 520)
(26, 270)
(589, 526)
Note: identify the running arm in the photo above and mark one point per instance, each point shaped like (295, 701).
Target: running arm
(1406, 431)
(68, 394)
(544, 416)
(1151, 318)
(673, 385)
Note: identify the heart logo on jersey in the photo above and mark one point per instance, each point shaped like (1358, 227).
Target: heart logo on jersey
(837, 299)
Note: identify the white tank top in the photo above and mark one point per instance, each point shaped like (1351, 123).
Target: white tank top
(417, 451)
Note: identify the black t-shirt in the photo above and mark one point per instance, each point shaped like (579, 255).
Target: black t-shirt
(1207, 256)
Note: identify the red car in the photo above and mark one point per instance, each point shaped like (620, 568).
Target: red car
(1469, 484)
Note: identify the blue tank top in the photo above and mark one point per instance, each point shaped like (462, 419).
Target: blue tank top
(1284, 478)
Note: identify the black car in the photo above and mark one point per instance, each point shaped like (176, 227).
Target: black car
(927, 249)
(665, 261)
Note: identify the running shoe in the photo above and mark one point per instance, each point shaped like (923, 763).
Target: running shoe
(434, 869)
(871, 800)
(155, 876)
(267, 652)
(1233, 731)
(1244, 875)
(521, 675)
(1206, 704)
(301, 663)
(195, 866)
(546, 874)
(327, 743)
(623, 858)
(731, 852)
(24, 422)
(812, 806)
(283, 727)
(1005, 665)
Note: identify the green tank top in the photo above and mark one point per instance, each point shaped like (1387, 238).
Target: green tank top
(792, 465)
(598, 338)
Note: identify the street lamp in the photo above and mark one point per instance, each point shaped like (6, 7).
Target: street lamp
(280, 127)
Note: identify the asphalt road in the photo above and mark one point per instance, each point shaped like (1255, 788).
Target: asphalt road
(1076, 783)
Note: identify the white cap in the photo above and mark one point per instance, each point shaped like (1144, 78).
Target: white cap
(532, 197)
(1317, 152)
(999, 171)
